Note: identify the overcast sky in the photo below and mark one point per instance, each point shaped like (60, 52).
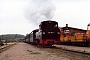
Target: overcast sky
(20, 16)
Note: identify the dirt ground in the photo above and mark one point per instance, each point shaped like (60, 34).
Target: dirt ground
(24, 51)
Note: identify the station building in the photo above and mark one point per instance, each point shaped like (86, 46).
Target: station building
(72, 30)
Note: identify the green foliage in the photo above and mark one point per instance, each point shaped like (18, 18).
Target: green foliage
(12, 37)
(31, 52)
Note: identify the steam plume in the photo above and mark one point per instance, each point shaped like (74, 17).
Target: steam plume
(39, 10)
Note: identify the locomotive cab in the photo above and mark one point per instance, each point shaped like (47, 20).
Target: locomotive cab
(50, 30)
(48, 25)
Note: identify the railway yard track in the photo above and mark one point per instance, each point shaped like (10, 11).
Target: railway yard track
(77, 49)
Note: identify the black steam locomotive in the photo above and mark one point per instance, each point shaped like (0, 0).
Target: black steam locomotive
(47, 34)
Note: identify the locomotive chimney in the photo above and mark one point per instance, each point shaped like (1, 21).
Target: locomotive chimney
(66, 25)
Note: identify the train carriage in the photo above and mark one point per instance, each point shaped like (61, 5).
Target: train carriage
(48, 34)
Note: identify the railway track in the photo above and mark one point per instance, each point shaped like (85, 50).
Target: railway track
(70, 49)
(76, 49)
(2, 48)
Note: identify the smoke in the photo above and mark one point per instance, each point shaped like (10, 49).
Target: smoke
(39, 10)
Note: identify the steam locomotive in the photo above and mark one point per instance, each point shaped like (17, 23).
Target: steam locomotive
(48, 34)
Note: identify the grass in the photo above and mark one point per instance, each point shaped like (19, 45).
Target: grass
(31, 52)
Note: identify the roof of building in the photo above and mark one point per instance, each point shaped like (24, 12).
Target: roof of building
(73, 28)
